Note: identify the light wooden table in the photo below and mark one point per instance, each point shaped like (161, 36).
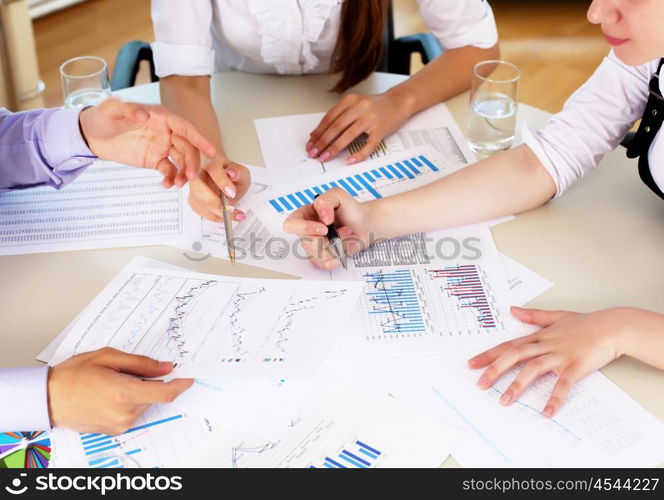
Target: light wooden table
(601, 243)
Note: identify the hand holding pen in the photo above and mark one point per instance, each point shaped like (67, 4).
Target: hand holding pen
(316, 224)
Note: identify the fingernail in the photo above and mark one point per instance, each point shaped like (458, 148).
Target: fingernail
(230, 191)
(506, 398)
(326, 156)
(231, 173)
(142, 115)
(165, 365)
(483, 381)
(309, 146)
(240, 217)
(321, 230)
(313, 153)
(548, 411)
(351, 161)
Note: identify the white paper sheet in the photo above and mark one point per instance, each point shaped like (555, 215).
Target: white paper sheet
(108, 206)
(525, 283)
(283, 140)
(598, 426)
(382, 434)
(160, 438)
(422, 292)
(208, 325)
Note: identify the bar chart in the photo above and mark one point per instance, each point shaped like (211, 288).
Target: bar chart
(464, 284)
(393, 304)
(363, 186)
(102, 451)
(357, 455)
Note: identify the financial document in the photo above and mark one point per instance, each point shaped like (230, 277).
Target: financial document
(207, 325)
(382, 433)
(424, 290)
(160, 438)
(598, 425)
(109, 205)
(283, 140)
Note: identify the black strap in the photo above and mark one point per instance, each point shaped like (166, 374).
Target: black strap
(651, 123)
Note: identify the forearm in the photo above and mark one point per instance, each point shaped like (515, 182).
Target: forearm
(189, 97)
(507, 183)
(643, 337)
(444, 77)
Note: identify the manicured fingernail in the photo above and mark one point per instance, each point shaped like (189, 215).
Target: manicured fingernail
(240, 217)
(313, 153)
(231, 173)
(506, 398)
(230, 191)
(326, 156)
(483, 382)
(351, 161)
(309, 145)
(548, 411)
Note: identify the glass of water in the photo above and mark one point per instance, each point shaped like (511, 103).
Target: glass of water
(84, 81)
(493, 105)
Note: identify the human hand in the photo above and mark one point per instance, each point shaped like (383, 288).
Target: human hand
(219, 174)
(145, 136)
(310, 224)
(570, 345)
(377, 116)
(102, 391)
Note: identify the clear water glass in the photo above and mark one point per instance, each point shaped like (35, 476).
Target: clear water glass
(84, 81)
(493, 106)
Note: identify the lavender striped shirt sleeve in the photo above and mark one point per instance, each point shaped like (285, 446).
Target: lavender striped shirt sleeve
(37, 148)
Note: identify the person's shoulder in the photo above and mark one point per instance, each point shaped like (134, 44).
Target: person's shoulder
(643, 72)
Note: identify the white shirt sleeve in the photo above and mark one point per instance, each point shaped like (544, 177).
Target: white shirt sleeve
(25, 401)
(183, 33)
(460, 23)
(593, 121)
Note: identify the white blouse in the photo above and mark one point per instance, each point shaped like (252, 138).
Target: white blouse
(201, 37)
(594, 121)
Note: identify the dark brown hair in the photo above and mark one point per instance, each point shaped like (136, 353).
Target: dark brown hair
(360, 45)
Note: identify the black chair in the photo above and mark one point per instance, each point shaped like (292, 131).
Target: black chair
(397, 57)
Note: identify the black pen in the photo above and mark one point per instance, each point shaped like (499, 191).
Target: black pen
(336, 243)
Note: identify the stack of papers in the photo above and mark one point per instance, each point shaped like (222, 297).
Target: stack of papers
(356, 368)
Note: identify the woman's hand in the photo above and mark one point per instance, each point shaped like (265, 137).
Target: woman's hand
(103, 391)
(377, 116)
(310, 224)
(571, 345)
(219, 175)
(145, 136)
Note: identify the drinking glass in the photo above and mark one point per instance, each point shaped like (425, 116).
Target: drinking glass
(84, 81)
(493, 106)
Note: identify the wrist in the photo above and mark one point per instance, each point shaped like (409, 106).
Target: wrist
(84, 125)
(404, 100)
(630, 321)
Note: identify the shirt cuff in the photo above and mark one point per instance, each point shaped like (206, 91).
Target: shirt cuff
(25, 399)
(62, 138)
(185, 60)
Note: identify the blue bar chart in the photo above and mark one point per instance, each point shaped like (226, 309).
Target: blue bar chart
(464, 284)
(102, 451)
(392, 302)
(363, 186)
(357, 455)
